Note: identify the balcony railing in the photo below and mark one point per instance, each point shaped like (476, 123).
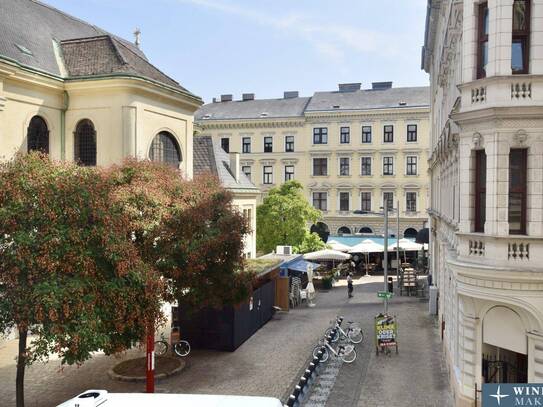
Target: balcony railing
(517, 252)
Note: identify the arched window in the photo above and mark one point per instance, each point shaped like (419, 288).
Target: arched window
(366, 230)
(37, 135)
(85, 143)
(165, 149)
(344, 230)
(322, 230)
(410, 232)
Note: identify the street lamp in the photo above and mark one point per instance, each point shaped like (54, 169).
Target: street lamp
(385, 254)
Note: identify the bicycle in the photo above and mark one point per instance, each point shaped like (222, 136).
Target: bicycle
(180, 346)
(353, 333)
(347, 353)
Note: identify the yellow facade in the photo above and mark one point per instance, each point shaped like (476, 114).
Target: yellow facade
(352, 183)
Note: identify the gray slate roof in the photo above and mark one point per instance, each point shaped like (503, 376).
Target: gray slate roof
(37, 27)
(320, 101)
(253, 109)
(209, 157)
(370, 99)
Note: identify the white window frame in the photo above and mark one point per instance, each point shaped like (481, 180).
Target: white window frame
(371, 166)
(371, 199)
(339, 166)
(416, 201)
(263, 176)
(313, 166)
(383, 166)
(417, 164)
(313, 200)
(285, 172)
(339, 200)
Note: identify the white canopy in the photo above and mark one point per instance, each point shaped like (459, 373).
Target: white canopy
(327, 254)
(406, 245)
(367, 246)
(340, 247)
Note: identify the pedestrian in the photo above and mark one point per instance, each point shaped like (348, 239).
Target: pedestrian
(350, 285)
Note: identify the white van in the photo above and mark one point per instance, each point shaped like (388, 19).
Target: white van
(101, 398)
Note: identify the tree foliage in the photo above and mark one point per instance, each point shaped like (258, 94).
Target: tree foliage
(189, 230)
(312, 242)
(68, 270)
(283, 217)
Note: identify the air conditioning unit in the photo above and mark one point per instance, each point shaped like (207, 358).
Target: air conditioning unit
(284, 250)
(432, 304)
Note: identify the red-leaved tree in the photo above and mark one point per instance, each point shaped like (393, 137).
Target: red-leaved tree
(69, 271)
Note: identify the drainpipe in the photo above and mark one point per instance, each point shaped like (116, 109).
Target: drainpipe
(65, 104)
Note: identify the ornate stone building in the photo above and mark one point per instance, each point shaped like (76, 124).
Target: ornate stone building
(485, 61)
(351, 149)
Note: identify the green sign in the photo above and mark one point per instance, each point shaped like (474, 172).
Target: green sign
(386, 330)
(384, 294)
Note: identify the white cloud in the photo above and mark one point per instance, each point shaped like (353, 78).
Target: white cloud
(331, 40)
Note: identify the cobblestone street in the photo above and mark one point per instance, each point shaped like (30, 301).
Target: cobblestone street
(269, 362)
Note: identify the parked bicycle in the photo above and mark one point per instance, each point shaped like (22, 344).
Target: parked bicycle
(180, 347)
(353, 332)
(347, 353)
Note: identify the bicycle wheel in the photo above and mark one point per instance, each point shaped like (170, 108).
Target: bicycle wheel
(325, 353)
(329, 332)
(349, 355)
(355, 335)
(181, 348)
(161, 347)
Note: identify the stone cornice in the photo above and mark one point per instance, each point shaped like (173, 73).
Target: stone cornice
(406, 113)
(250, 123)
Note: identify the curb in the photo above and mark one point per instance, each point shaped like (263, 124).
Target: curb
(160, 376)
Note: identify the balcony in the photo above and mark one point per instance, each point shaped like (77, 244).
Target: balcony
(502, 91)
(515, 253)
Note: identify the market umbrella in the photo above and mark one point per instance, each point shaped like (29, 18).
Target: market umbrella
(367, 246)
(327, 255)
(340, 247)
(406, 245)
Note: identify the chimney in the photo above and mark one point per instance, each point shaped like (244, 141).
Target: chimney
(349, 87)
(248, 96)
(381, 85)
(137, 37)
(291, 94)
(234, 165)
(226, 98)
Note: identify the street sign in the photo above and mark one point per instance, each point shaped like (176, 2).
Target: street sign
(384, 294)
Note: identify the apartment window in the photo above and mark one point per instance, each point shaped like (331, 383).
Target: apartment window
(320, 200)
(365, 201)
(320, 166)
(411, 165)
(366, 166)
(268, 144)
(246, 169)
(411, 133)
(225, 144)
(520, 46)
(366, 134)
(480, 191)
(388, 200)
(320, 135)
(343, 201)
(37, 135)
(388, 132)
(411, 201)
(268, 174)
(517, 191)
(344, 164)
(246, 145)
(289, 172)
(289, 144)
(388, 165)
(482, 52)
(345, 135)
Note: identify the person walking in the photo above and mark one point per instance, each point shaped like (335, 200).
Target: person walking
(350, 285)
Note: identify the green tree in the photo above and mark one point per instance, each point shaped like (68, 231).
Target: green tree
(188, 230)
(311, 243)
(68, 270)
(283, 217)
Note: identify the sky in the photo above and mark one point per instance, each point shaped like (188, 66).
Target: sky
(266, 47)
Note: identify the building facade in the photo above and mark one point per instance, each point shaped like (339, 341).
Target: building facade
(79, 93)
(351, 149)
(485, 61)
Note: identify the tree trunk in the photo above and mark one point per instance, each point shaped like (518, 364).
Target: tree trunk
(21, 364)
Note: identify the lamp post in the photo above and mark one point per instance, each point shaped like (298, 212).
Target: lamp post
(385, 253)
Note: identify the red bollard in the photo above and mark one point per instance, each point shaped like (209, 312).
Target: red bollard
(150, 370)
